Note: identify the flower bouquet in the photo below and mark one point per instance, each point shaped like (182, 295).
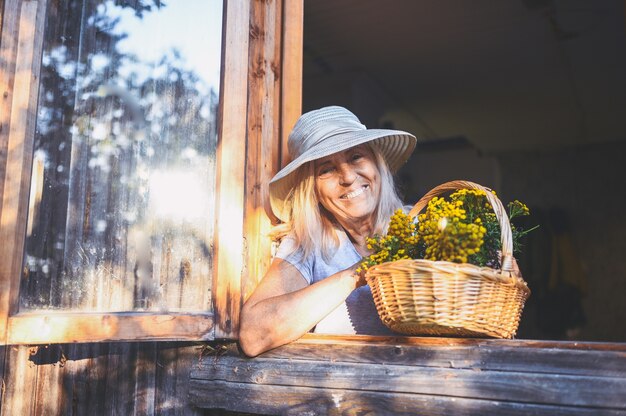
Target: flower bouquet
(452, 272)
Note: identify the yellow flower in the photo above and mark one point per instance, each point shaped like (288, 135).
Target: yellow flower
(462, 228)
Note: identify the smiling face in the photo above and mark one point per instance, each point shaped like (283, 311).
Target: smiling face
(348, 184)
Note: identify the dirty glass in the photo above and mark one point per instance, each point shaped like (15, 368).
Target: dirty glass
(123, 181)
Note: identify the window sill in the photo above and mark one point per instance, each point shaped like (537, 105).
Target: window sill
(330, 374)
(55, 327)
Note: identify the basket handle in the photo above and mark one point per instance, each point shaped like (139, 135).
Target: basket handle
(506, 237)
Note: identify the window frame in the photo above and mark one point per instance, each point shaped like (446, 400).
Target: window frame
(259, 76)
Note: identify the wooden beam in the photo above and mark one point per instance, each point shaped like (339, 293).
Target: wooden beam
(8, 46)
(67, 327)
(528, 387)
(435, 375)
(20, 153)
(264, 83)
(290, 83)
(300, 400)
(595, 359)
(231, 155)
(293, 34)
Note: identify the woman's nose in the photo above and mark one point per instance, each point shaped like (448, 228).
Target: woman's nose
(347, 175)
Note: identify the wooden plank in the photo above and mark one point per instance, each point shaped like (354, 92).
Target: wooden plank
(321, 339)
(120, 379)
(263, 129)
(483, 354)
(475, 383)
(173, 365)
(20, 382)
(49, 386)
(75, 376)
(231, 152)
(20, 149)
(145, 388)
(8, 45)
(61, 327)
(291, 90)
(89, 382)
(299, 400)
(3, 357)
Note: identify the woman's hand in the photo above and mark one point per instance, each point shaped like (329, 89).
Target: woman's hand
(359, 275)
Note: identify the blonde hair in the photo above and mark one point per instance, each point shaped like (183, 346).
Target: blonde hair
(314, 228)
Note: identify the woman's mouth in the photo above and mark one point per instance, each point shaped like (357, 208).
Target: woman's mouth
(355, 193)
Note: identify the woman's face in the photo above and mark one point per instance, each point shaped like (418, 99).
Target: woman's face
(347, 183)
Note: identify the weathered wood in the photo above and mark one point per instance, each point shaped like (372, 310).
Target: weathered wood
(507, 355)
(291, 90)
(9, 21)
(145, 380)
(290, 74)
(49, 387)
(474, 383)
(102, 378)
(3, 355)
(321, 339)
(19, 382)
(540, 375)
(299, 400)
(173, 364)
(9, 31)
(263, 129)
(89, 378)
(119, 397)
(231, 153)
(60, 327)
(20, 148)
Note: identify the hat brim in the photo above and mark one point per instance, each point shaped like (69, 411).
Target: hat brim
(396, 146)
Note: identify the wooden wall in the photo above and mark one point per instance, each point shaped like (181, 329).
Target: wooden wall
(152, 378)
(322, 375)
(98, 379)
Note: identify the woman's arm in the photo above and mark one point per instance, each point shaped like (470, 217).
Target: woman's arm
(284, 307)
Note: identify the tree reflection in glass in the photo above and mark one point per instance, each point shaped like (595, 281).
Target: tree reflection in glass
(121, 205)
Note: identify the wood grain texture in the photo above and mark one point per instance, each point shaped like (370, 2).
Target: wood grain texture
(475, 383)
(61, 327)
(601, 359)
(536, 376)
(290, 400)
(100, 379)
(263, 129)
(231, 154)
(8, 46)
(293, 33)
(19, 382)
(19, 154)
(173, 364)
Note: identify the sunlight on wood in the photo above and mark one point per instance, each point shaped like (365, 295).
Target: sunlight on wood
(63, 327)
(15, 197)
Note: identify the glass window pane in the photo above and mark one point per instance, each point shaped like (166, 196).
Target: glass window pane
(123, 181)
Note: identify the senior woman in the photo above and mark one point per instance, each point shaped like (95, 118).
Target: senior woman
(337, 191)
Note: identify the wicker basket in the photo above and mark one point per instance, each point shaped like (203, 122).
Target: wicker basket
(424, 297)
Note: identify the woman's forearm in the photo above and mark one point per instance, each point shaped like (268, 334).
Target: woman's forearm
(277, 320)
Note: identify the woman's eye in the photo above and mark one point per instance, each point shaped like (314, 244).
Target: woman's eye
(356, 156)
(325, 170)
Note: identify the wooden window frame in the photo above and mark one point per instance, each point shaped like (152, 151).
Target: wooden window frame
(260, 75)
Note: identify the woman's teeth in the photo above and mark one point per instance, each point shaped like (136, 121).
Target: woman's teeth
(355, 193)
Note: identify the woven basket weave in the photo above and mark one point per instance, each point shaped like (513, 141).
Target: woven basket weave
(424, 297)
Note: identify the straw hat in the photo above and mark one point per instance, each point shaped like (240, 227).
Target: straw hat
(326, 131)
